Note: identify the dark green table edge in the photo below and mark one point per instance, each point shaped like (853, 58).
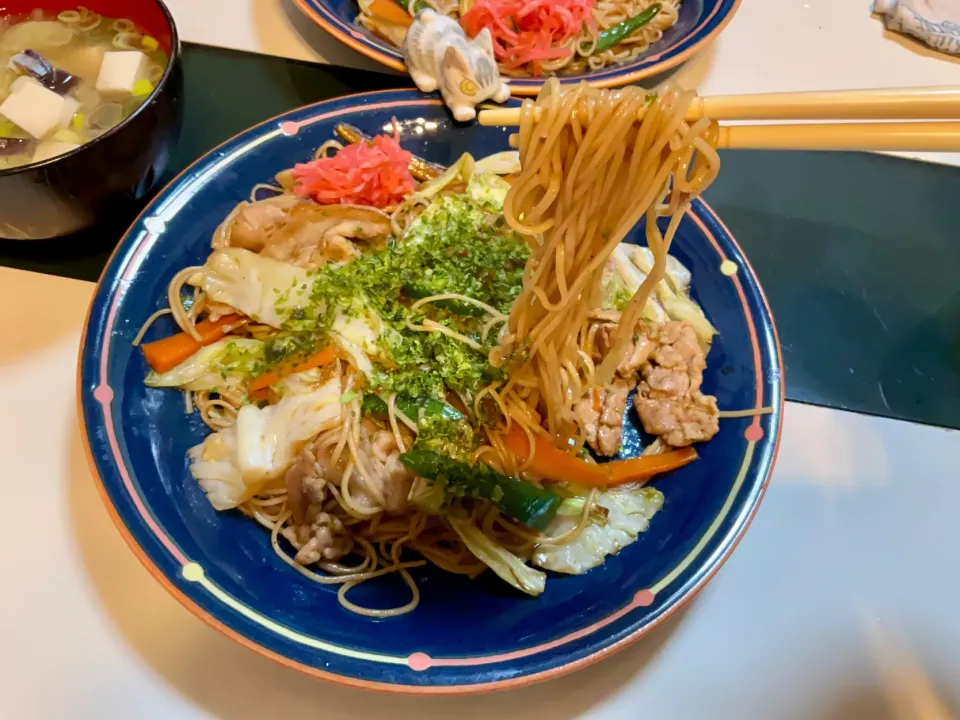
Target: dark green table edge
(858, 253)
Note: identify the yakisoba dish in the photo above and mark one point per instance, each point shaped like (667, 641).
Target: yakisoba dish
(540, 37)
(608, 44)
(400, 370)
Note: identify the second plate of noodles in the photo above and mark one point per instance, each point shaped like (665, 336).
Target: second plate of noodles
(406, 379)
(608, 42)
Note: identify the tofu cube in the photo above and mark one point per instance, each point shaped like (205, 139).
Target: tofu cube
(37, 110)
(21, 81)
(52, 148)
(120, 70)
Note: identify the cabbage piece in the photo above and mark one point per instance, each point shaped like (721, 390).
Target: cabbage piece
(357, 336)
(298, 383)
(232, 464)
(501, 163)
(504, 563)
(629, 273)
(615, 293)
(673, 293)
(270, 290)
(677, 274)
(572, 506)
(225, 363)
(427, 495)
(488, 190)
(632, 278)
(462, 169)
(262, 288)
(362, 329)
(682, 308)
(213, 465)
(628, 514)
(268, 439)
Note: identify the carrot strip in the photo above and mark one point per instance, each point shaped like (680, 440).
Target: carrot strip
(551, 463)
(391, 12)
(166, 354)
(257, 389)
(646, 466)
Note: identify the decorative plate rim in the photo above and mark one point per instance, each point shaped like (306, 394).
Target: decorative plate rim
(615, 76)
(729, 541)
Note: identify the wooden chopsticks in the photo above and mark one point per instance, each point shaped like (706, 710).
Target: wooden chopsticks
(891, 104)
(910, 136)
(929, 104)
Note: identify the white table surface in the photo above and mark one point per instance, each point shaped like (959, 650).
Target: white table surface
(853, 548)
(841, 601)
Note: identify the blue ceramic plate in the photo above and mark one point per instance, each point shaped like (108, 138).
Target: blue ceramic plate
(699, 22)
(465, 635)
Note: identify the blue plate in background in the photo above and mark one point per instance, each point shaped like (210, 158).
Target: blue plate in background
(465, 635)
(699, 22)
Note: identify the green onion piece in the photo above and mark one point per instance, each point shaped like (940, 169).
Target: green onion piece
(614, 35)
(571, 506)
(142, 88)
(521, 501)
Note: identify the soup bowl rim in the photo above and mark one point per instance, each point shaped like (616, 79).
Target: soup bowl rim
(167, 72)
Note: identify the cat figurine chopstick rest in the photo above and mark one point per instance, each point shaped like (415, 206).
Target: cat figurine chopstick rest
(439, 55)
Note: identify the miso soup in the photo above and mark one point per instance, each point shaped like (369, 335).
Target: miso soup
(69, 77)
